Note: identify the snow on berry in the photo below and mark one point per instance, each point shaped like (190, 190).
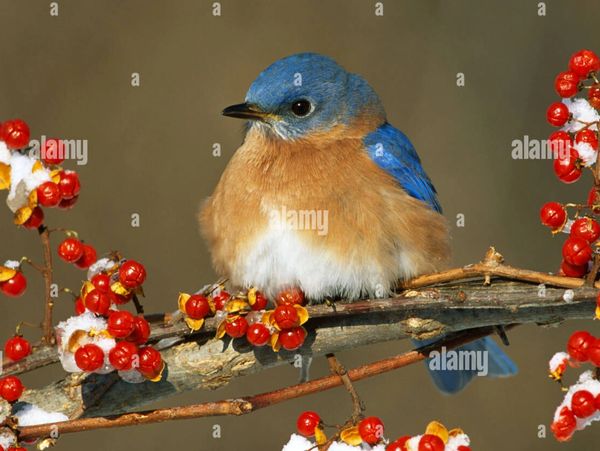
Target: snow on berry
(557, 365)
(102, 265)
(581, 112)
(31, 415)
(586, 152)
(7, 439)
(78, 331)
(588, 383)
(12, 264)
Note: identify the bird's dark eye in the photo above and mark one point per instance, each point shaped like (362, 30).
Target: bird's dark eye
(301, 107)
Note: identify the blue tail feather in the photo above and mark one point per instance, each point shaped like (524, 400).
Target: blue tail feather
(452, 381)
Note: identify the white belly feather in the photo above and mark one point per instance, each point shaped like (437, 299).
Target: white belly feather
(280, 258)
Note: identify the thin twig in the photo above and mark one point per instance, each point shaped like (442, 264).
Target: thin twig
(47, 330)
(492, 266)
(336, 367)
(139, 308)
(252, 403)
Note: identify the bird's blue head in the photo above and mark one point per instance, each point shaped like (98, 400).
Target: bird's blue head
(307, 93)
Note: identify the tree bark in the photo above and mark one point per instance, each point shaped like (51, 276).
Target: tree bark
(203, 363)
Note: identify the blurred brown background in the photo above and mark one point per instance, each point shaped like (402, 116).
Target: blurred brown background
(151, 153)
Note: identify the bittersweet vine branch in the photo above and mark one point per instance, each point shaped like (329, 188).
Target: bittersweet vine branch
(250, 404)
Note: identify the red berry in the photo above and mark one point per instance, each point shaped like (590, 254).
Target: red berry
(15, 134)
(560, 142)
(151, 363)
(290, 296)
(371, 430)
(17, 348)
(463, 448)
(573, 270)
(576, 251)
(583, 62)
(587, 136)
(582, 404)
(122, 356)
(89, 357)
(594, 96)
(119, 299)
(70, 250)
(15, 286)
(120, 324)
(69, 184)
(586, 228)
(16, 448)
(564, 427)
(286, 316)
(35, 220)
(132, 274)
(67, 204)
(141, 331)
(97, 301)
(557, 114)
(578, 345)
(197, 306)
(236, 327)
(593, 199)
(430, 442)
(11, 388)
(398, 445)
(48, 194)
(567, 167)
(593, 352)
(221, 299)
(52, 151)
(553, 215)
(101, 281)
(88, 258)
(258, 334)
(292, 339)
(566, 84)
(261, 302)
(79, 306)
(307, 422)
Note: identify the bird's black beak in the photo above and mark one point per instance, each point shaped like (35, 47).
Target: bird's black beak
(244, 111)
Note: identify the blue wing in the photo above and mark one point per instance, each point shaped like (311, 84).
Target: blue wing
(393, 152)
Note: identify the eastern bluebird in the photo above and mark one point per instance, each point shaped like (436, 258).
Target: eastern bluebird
(324, 194)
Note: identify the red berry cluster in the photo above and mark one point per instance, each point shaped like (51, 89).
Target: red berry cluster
(61, 191)
(583, 228)
(80, 254)
(568, 163)
(584, 347)
(287, 320)
(101, 295)
(370, 431)
(282, 327)
(106, 289)
(245, 315)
